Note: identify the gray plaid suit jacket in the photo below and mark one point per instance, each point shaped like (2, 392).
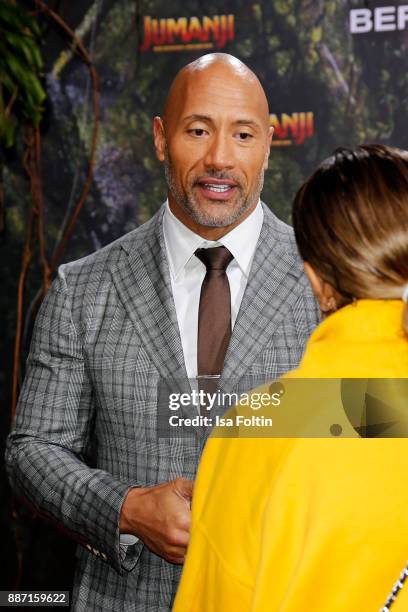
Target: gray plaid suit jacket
(105, 334)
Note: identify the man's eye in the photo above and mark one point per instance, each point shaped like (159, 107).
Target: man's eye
(244, 136)
(197, 132)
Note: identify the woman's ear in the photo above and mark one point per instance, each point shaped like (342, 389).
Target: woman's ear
(325, 293)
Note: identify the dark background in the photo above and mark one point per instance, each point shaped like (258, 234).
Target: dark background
(356, 86)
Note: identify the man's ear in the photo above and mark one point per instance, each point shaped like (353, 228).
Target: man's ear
(324, 292)
(270, 135)
(159, 138)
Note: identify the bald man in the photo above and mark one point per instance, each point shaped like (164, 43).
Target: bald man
(211, 286)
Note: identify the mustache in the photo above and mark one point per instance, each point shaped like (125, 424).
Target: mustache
(219, 175)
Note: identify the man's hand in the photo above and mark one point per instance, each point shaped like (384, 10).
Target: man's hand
(161, 517)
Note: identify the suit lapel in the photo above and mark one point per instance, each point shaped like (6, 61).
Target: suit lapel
(271, 288)
(143, 282)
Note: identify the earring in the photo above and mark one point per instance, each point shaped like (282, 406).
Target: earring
(331, 305)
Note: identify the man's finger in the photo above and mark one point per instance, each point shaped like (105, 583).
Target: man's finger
(184, 488)
(176, 560)
(181, 538)
(183, 520)
(176, 551)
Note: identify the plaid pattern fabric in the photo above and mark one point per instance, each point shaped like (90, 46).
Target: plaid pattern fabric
(86, 428)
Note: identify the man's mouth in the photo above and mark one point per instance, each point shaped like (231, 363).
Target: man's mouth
(216, 189)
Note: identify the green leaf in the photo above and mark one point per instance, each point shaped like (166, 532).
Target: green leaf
(316, 35)
(7, 128)
(8, 83)
(14, 17)
(20, 70)
(25, 77)
(21, 43)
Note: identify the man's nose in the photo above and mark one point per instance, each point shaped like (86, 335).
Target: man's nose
(220, 153)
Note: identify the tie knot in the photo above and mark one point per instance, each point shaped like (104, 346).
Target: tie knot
(217, 258)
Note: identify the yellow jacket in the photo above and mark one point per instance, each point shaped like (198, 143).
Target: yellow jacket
(307, 525)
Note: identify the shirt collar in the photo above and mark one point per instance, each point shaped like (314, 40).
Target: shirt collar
(181, 242)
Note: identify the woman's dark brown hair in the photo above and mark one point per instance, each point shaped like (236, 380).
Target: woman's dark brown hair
(351, 222)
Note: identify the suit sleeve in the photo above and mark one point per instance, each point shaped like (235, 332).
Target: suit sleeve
(45, 449)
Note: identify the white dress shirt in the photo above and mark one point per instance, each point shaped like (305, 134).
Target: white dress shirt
(187, 272)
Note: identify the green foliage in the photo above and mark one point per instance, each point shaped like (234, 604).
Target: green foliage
(21, 92)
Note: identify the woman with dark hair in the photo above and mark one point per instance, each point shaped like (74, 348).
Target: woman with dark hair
(320, 524)
(351, 226)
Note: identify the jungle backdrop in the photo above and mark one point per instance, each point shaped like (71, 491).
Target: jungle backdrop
(333, 76)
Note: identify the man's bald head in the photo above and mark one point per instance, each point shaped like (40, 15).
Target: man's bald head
(228, 68)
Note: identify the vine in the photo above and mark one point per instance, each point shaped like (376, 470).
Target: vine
(32, 166)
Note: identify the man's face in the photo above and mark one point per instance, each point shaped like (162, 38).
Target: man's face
(215, 147)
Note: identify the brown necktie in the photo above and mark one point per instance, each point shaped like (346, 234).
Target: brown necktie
(214, 314)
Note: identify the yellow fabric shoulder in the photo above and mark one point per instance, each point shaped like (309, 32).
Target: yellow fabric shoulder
(294, 524)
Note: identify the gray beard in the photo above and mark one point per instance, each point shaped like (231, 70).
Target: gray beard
(192, 209)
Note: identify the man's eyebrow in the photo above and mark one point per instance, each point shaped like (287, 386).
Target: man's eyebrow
(196, 117)
(249, 122)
